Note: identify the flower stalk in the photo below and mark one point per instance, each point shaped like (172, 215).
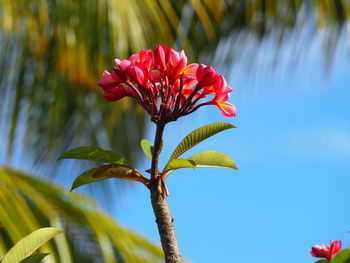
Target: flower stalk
(164, 219)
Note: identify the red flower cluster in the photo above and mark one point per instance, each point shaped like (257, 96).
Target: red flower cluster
(324, 251)
(163, 84)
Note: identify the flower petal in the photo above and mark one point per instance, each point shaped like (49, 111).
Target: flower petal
(108, 80)
(335, 247)
(227, 109)
(321, 252)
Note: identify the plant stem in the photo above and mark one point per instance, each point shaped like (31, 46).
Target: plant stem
(156, 150)
(160, 206)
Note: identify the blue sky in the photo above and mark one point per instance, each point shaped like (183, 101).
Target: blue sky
(292, 146)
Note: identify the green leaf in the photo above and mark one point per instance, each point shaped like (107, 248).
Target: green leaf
(179, 163)
(109, 171)
(342, 257)
(94, 154)
(202, 159)
(199, 135)
(213, 159)
(29, 244)
(35, 258)
(147, 148)
(322, 261)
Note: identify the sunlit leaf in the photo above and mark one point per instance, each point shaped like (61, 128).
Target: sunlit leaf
(199, 135)
(179, 163)
(108, 171)
(29, 244)
(212, 159)
(94, 154)
(342, 257)
(35, 258)
(147, 148)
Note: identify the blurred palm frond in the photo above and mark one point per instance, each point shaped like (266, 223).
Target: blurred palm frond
(27, 204)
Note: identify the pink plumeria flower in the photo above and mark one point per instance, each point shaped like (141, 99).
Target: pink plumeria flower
(323, 251)
(165, 86)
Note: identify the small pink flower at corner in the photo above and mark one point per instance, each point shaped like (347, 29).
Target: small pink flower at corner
(323, 251)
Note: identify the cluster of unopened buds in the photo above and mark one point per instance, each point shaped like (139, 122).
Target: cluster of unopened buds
(165, 86)
(323, 251)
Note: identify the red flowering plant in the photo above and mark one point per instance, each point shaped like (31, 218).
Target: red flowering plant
(328, 252)
(167, 88)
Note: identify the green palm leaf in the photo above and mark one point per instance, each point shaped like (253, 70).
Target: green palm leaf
(29, 244)
(35, 258)
(27, 204)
